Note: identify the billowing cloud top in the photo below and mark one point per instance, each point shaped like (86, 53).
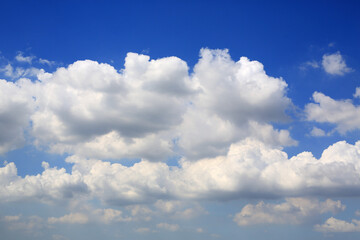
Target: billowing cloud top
(147, 109)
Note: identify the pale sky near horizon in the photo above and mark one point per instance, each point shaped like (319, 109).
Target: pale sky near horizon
(179, 119)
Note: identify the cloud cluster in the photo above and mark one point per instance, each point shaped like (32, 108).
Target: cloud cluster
(217, 118)
(250, 169)
(342, 113)
(292, 211)
(152, 109)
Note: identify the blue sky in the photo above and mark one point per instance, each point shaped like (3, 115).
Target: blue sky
(179, 119)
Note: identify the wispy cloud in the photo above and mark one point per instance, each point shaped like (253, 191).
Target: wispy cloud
(24, 59)
(168, 227)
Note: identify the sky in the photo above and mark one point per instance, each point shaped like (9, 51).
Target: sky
(179, 119)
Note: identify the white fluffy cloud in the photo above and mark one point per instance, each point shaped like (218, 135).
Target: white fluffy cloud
(335, 225)
(50, 186)
(235, 100)
(343, 113)
(334, 64)
(219, 115)
(239, 91)
(250, 169)
(151, 109)
(292, 211)
(89, 104)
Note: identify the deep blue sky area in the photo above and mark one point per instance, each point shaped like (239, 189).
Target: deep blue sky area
(119, 167)
(273, 32)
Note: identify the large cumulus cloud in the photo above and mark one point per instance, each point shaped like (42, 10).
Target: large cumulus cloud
(88, 102)
(151, 109)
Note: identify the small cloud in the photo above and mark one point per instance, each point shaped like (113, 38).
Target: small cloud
(21, 58)
(336, 225)
(199, 230)
(168, 227)
(357, 93)
(313, 64)
(47, 62)
(334, 64)
(332, 44)
(317, 132)
(11, 218)
(78, 218)
(309, 64)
